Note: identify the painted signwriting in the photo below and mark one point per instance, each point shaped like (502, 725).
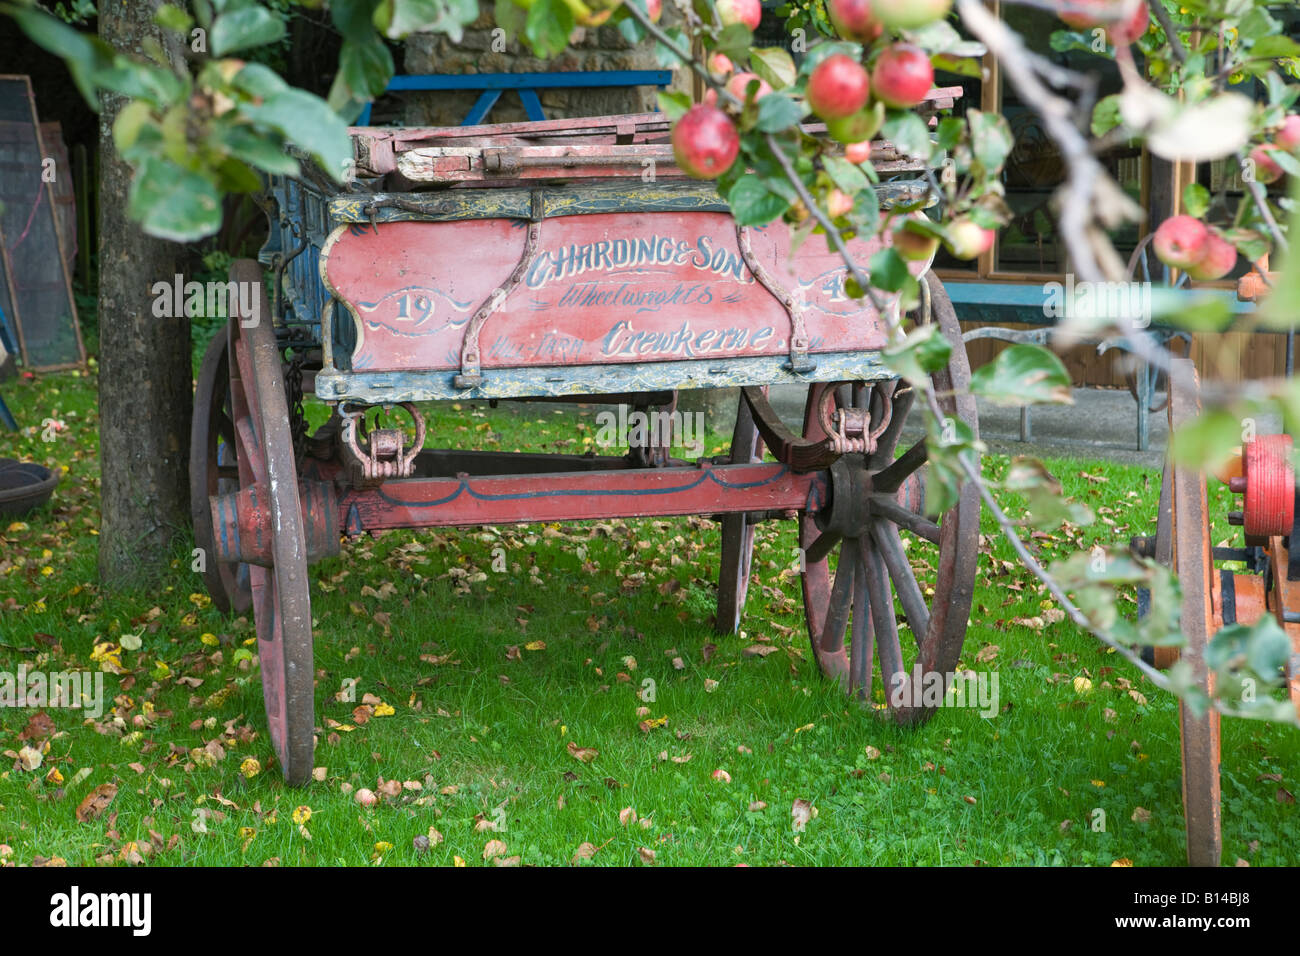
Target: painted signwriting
(599, 288)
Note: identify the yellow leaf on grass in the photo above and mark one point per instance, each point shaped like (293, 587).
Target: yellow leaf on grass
(536, 645)
(384, 710)
(251, 767)
(301, 815)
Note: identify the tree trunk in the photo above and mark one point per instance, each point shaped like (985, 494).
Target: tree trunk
(145, 376)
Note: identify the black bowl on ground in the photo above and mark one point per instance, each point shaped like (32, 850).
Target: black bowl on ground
(24, 486)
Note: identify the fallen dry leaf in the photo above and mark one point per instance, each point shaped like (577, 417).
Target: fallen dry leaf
(96, 802)
(800, 813)
(585, 851)
(493, 848)
(582, 754)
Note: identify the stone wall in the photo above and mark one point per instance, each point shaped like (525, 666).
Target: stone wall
(599, 48)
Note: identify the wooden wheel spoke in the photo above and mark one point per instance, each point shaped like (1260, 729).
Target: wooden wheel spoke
(901, 401)
(249, 448)
(888, 508)
(890, 547)
(891, 477)
(861, 633)
(882, 615)
(837, 614)
(822, 547)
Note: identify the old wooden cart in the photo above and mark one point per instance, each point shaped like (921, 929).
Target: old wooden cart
(567, 260)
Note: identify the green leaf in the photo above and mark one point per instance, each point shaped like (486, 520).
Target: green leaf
(173, 18)
(1274, 48)
(172, 202)
(925, 350)
(961, 65)
(735, 41)
(259, 81)
(84, 54)
(1023, 375)
(130, 121)
(513, 18)
(950, 133)
(245, 27)
(307, 122)
(258, 150)
(906, 130)
(549, 24)
(365, 67)
(1196, 200)
(774, 65)
(888, 271)
(777, 112)
(753, 204)
(844, 174)
(991, 139)
(674, 103)
(396, 19)
(1208, 440)
(1106, 115)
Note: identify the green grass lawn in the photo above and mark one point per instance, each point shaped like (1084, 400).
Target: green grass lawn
(472, 686)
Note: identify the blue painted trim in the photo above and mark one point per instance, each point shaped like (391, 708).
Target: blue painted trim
(482, 106)
(527, 85)
(1032, 295)
(532, 106)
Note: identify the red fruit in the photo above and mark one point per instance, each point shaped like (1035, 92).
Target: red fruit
(739, 83)
(1266, 171)
(1219, 259)
(968, 240)
(902, 76)
(855, 20)
(910, 14)
(1128, 31)
(838, 203)
(1181, 241)
(1288, 137)
(858, 152)
(913, 245)
(838, 87)
(720, 64)
(705, 143)
(748, 12)
(654, 9)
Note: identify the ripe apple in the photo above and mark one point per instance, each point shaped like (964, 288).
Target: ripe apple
(1127, 31)
(1181, 241)
(969, 240)
(654, 9)
(838, 87)
(1288, 137)
(748, 12)
(913, 245)
(1219, 259)
(862, 125)
(705, 142)
(855, 20)
(739, 83)
(909, 14)
(902, 76)
(1266, 171)
(858, 153)
(838, 203)
(720, 64)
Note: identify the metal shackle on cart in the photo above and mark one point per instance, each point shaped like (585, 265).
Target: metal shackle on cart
(538, 262)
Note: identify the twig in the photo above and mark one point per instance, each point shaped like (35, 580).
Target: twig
(1171, 33)
(1258, 193)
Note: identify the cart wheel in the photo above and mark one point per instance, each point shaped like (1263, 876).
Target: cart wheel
(214, 470)
(737, 529)
(1192, 562)
(872, 570)
(280, 599)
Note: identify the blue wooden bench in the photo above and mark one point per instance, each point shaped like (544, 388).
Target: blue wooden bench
(1023, 303)
(490, 86)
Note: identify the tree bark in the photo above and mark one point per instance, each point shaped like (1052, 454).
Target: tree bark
(145, 376)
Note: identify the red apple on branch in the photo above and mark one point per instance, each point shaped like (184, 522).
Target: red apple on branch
(1219, 259)
(1181, 241)
(705, 142)
(967, 239)
(748, 12)
(855, 20)
(838, 87)
(902, 76)
(858, 153)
